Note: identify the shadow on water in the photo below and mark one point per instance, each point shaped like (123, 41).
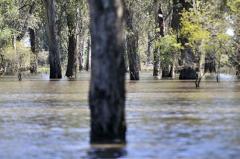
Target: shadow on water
(107, 151)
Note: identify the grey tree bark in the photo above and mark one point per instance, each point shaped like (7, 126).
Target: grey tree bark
(72, 45)
(34, 56)
(54, 55)
(132, 45)
(107, 86)
(158, 34)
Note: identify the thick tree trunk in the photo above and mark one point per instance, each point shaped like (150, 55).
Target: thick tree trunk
(107, 87)
(210, 63)
(54, 55)
(72, 45)
(132, 46)
(34, 56)
(159, 32)
(187, 59)
(71, 66)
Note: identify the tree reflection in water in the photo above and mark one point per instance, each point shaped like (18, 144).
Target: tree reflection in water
(107, 151)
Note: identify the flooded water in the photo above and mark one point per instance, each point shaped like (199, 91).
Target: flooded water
(43, 119)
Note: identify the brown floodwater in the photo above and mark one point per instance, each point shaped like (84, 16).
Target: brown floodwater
(167, 119)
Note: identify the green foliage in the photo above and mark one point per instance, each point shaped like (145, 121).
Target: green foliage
(234, 5)
(21, 55)
(169, 48)
(193, 28)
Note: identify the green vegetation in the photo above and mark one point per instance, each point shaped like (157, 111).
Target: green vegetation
(193, 35)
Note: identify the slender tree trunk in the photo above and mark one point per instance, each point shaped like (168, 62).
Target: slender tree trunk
(173, 69)
(159, 32)
(107, 88)
(54, 55)
(132, 46)
(34, 56)
(80, 39)
(238, 61)
(149, 50)
(237, 32)
(88, 55)
(156, 62)
(81, 50)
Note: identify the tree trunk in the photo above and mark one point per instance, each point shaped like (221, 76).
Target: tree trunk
(54, 55)
(238, 61)
(210, 63)
(88, 55)
(80, 39)
(132, 46)
(72, 45)
(159, 32)
(34, 57)
(156, 62)
(107, 87)
(187, 59)
(80, 52)
(71, 66)
(149, 49)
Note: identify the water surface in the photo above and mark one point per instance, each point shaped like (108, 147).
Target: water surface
(43, 119)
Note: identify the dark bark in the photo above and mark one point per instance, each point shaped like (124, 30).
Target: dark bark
(71, 66)
(210, 63)
(72, 45)
(132, 46)
(54, 55)
(88, 55)
(187, 59)
(34, 58)
(188, 73)
(166, 71)
(107, 86)
(158, 34)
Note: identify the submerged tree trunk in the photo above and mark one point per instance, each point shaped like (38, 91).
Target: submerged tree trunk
(210, 63)
(81, 44)
(107, 87)
(72, 46)
(132, 46)
(159, 32)
(187, 60)
(87, 66)
(34, 57)
(71, 66)
(54, 55)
